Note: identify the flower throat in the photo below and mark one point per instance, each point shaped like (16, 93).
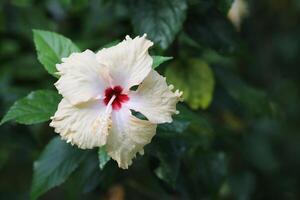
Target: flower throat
(119, 97)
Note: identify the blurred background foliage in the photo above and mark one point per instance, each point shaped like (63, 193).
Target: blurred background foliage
(237, 136)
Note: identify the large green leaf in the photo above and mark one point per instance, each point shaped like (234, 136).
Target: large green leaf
(51, 48)
(195, 79)
(56, 163)
(213, 30)
(161, 20)
(37, 107)
(89, 175)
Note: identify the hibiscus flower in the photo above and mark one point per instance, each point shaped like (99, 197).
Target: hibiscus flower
(98, 99)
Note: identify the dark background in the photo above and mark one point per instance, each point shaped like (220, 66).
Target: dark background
(246, 145)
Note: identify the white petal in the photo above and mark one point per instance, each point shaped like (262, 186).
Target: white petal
(237, 12)
(128, 136)
(82, 78)
(155, 99)
(129, 62)
(86, 125)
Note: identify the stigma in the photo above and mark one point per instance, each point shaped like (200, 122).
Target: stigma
(115, 97)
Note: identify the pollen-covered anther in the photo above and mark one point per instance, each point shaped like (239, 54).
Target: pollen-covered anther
(179, 94)
(171, 87)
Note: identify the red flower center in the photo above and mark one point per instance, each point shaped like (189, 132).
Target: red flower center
(120, 97)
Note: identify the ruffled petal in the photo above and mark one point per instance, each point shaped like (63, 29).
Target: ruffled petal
(155, 99)
(128, 62)
(86, 125)
(128, 136)
(82, 78)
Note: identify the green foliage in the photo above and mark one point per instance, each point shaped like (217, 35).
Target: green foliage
(169, 154)
(195, 78)
(103, 157)
(37, 107)
(213, 170)
(254, 101)
(162, 20)
(113, 43)
(224, 5)
(211, 29)
(51, 48)
(56, 163)
(158, 60)
(237, 134)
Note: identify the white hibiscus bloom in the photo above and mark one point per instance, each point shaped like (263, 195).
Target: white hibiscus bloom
(237, 12)
(97, 99)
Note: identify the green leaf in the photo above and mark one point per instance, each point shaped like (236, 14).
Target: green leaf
(161, 20)
(243, 184)
(103, 157)
(51, 48)
(22, 3)
(224, 6)
(36, 107)
(176, 127)
(113, 43)
(58, 160)
(195, 79)
(158, 60)
(210, 169)
(213, 30)
(169, 152)
(90, 176)
(258, 150)
(253, 100)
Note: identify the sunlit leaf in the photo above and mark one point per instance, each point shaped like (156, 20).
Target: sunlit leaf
(51, 48)
(195, 79)
(37, 107)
